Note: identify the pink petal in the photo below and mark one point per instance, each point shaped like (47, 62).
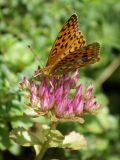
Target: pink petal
(61, 105)
(79, 108)
(59, 92)
(45, 101)
(33, 88)
(24, 84)
(69, 110)
(34, 99)
(78, 91)
(89, 103)
(66, 87)
(74, 77)
(75, 101)
(42, 88)
(51, 98)
(89, 90)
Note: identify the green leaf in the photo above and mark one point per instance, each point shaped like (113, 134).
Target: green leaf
(55, 138)
(36, 135)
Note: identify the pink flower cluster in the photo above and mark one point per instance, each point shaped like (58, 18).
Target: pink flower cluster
(52, 94)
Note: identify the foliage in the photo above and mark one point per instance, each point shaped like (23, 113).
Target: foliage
(37, 23)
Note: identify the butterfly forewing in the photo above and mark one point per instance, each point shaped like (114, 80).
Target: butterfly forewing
(78, 43)
(77, 58)
(68, 34)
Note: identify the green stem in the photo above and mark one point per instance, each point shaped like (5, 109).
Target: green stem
(44, 147)
(42, 152)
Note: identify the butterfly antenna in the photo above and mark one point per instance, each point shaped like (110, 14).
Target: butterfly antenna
(37, 58)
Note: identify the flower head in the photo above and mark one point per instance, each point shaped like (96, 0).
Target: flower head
(52, 94)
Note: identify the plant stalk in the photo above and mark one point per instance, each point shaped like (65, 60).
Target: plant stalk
(45, 146)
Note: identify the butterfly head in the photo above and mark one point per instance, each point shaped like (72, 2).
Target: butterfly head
(42, 72)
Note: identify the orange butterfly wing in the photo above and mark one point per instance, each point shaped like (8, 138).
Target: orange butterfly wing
(77, 58)
(65, 39)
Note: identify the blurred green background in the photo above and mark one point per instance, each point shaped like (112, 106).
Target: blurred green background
(37, 23)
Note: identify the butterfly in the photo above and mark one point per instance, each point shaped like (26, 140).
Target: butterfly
(69, 50)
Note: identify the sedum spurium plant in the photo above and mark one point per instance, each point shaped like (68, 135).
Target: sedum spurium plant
(49, 96)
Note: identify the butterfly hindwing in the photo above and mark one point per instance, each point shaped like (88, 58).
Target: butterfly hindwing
(78, 58)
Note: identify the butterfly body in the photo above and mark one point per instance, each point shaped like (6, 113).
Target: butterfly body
(69, 50)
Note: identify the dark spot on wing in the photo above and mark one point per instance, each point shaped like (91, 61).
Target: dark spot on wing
(61, 46)
(68, 32)
(63, 29)
(84, 56)
(74, 35)
(68, 24)
(76, 56)
(69, 36)
(63, 39)
(57, 44)
(59, 37)
(55, 49)
(76, 48)
(66, 45)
